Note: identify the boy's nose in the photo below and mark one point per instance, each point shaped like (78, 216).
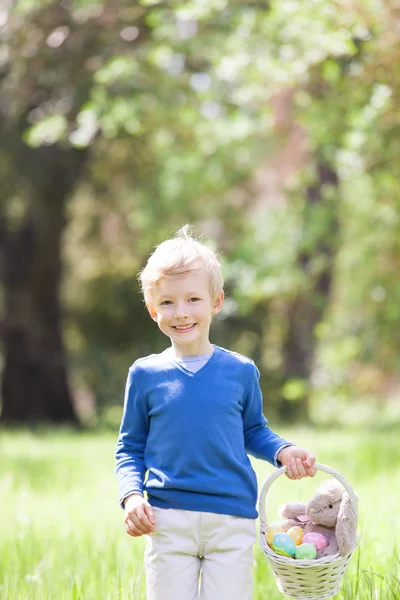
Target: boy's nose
(181, 312)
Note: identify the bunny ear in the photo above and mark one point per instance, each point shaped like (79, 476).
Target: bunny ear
(346, 526)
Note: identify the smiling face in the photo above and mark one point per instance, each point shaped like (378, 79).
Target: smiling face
(183, 308)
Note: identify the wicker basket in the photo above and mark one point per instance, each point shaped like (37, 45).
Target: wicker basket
(306, 579)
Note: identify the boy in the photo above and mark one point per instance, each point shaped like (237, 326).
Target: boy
(191, 415)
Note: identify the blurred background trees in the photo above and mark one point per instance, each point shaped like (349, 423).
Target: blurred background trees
(272, 127)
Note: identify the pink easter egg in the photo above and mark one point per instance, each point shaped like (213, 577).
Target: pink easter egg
(317, 539)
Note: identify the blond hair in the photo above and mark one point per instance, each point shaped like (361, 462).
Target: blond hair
(180, 255)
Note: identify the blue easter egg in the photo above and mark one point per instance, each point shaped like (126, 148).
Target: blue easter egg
(283, 544)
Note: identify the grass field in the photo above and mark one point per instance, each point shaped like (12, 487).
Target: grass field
(62, 535)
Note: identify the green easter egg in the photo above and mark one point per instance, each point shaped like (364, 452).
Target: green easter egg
(306, 551)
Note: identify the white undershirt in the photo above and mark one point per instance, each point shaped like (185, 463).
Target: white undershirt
(193, 363)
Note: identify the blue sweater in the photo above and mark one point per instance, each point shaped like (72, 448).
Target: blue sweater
(191, 433)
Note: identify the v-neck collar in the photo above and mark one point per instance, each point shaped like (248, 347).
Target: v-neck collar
(186, 371)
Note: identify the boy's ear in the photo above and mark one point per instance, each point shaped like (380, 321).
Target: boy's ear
(152, 311)
(218, 302)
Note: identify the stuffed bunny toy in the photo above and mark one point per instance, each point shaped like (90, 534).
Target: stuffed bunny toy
(328, 512)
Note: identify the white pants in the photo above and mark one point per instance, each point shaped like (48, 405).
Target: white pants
(187, 543)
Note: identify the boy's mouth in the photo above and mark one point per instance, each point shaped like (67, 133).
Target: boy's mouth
(184, 328)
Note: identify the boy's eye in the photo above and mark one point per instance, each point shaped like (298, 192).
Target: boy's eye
(166, 302)
(194, 299)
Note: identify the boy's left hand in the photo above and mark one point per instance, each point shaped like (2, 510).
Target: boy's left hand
(298, 461)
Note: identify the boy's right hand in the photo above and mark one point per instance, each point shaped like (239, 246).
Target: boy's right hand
(139, 516)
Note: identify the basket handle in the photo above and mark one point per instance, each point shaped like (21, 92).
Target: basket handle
(278, 472)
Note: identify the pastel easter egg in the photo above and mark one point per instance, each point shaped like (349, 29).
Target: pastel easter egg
(283, 544)
(317, 539)
(306, 551)
(297, 534)
(272, 530)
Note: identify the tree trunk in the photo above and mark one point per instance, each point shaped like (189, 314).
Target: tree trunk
(34, 379)
(307, 309)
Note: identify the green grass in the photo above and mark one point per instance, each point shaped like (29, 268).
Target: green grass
(62, 535)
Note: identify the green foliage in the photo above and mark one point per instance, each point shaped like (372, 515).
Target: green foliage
(47, 131)
(294, 390)
(181, 106)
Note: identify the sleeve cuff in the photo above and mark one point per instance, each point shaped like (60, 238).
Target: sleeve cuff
(277, 463)
(138, 492)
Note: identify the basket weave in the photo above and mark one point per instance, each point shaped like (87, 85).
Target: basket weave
(306, 579)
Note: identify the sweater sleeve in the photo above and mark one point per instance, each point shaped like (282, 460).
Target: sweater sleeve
(130, 467)
(260, 441)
